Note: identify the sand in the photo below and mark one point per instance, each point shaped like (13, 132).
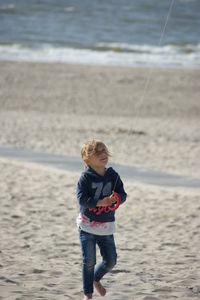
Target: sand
(53, 108)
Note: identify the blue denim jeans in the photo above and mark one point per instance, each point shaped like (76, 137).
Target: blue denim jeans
(107, 248)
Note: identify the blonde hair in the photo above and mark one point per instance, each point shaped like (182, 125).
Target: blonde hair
(92, 147)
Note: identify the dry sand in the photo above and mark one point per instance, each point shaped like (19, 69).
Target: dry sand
(54, 108)
(157, 239)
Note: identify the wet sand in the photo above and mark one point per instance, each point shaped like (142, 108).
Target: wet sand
(53, 108)
(75, 164)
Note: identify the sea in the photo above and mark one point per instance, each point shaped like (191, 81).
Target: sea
(133, 33)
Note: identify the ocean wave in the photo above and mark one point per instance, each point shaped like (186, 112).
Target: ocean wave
(7, 8)
(123, 47)
(114, 54)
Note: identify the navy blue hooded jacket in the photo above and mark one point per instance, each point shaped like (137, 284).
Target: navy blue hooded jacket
(93, 187)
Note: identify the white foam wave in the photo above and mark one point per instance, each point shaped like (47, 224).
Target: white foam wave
(145, 55)
(123, 47)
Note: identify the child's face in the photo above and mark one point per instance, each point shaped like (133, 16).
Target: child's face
(98, 160)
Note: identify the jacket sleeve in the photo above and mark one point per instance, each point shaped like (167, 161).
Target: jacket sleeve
(119, 189)
(83, 197)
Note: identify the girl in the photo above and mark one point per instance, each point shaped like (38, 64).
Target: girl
(98, 190)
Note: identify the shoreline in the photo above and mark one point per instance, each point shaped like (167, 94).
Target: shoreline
(106, 65)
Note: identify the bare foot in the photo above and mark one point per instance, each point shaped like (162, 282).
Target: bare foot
(87, 297)
(99, 287)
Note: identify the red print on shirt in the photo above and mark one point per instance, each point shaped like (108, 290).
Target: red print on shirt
(107, 209)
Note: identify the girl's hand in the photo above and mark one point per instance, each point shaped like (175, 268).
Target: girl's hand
(107, 201)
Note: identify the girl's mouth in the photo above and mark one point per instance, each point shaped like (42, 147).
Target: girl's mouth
(104, 159)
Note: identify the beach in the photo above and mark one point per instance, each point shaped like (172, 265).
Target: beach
(55, 107)
(149, 118)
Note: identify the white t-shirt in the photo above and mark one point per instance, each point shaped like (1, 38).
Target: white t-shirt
(93, 227)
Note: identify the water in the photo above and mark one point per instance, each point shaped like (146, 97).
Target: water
(114, 32)
(75, 164)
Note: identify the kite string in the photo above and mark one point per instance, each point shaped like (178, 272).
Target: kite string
(149, 76)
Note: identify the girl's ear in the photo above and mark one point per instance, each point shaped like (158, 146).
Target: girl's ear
(85, 163)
